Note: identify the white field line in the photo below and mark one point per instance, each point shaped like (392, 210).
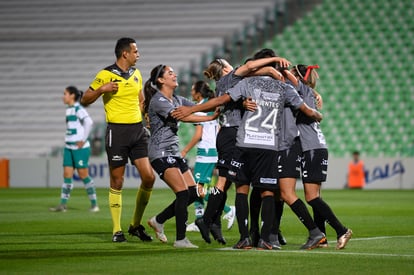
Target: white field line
(381, 238)
(338, 252)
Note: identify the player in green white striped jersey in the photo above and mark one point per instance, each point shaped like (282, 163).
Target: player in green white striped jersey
(77, 149)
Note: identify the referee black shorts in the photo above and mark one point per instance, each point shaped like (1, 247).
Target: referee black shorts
(125, 141)
(315, 166)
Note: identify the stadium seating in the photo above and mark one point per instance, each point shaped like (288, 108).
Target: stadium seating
(364, 49)
(365, 52)
(47, 45)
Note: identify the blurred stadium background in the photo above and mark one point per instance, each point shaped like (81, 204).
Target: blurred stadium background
(364, 49)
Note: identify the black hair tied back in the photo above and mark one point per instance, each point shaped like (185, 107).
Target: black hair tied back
(155, 76)
(75, 91)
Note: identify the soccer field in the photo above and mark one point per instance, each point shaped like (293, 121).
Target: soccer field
(36, 241)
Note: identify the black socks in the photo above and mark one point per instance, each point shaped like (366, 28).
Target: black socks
(323, 209)
(242, 214)
(169, 211)
(278, 215)
(299, 208)
(181, 213)
(216, 200)
(268, 216)
(255, 205)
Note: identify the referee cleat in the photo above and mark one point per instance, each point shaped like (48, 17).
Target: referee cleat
(139, 231)
(158, 228)
(184, 243)
(263, 245)
(59, 208)
(274, 241)
(204, 230)
(245, 243)
(281, 239)
(313, 241)
(215, 230)
(343, 240)
(119, 237)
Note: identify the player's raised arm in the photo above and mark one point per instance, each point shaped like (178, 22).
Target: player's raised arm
(253, 65)
(184, 111)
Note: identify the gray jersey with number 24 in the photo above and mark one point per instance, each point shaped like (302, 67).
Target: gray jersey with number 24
(261, 129)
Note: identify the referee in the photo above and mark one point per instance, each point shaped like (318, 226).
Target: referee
(120, 86)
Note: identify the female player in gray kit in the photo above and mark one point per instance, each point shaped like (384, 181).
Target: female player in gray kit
(315, 158)
(230, 117)
(289, 162)
(257, 139)
(164, 153)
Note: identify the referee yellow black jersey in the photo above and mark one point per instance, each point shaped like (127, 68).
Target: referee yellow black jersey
(121, 106)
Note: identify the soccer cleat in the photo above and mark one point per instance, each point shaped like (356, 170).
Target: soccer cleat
(119, 237)
(263, 245)
(255, 236)
(139, 231)
(230, 216)
(313, 241)
(59, 208)
(158, 228)
(323, 244)
(184, 243)
(281, 239)
(343, 240)
(274, 241)
(192, 227)
(94, 209)
(243, 244)
(204, 230)
(215, 230)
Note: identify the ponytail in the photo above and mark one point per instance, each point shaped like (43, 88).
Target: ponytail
(152, 85)
(307, 74)
(214, 69)
(149, 91)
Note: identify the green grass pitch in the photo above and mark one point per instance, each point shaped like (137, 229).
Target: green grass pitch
(36, 241)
